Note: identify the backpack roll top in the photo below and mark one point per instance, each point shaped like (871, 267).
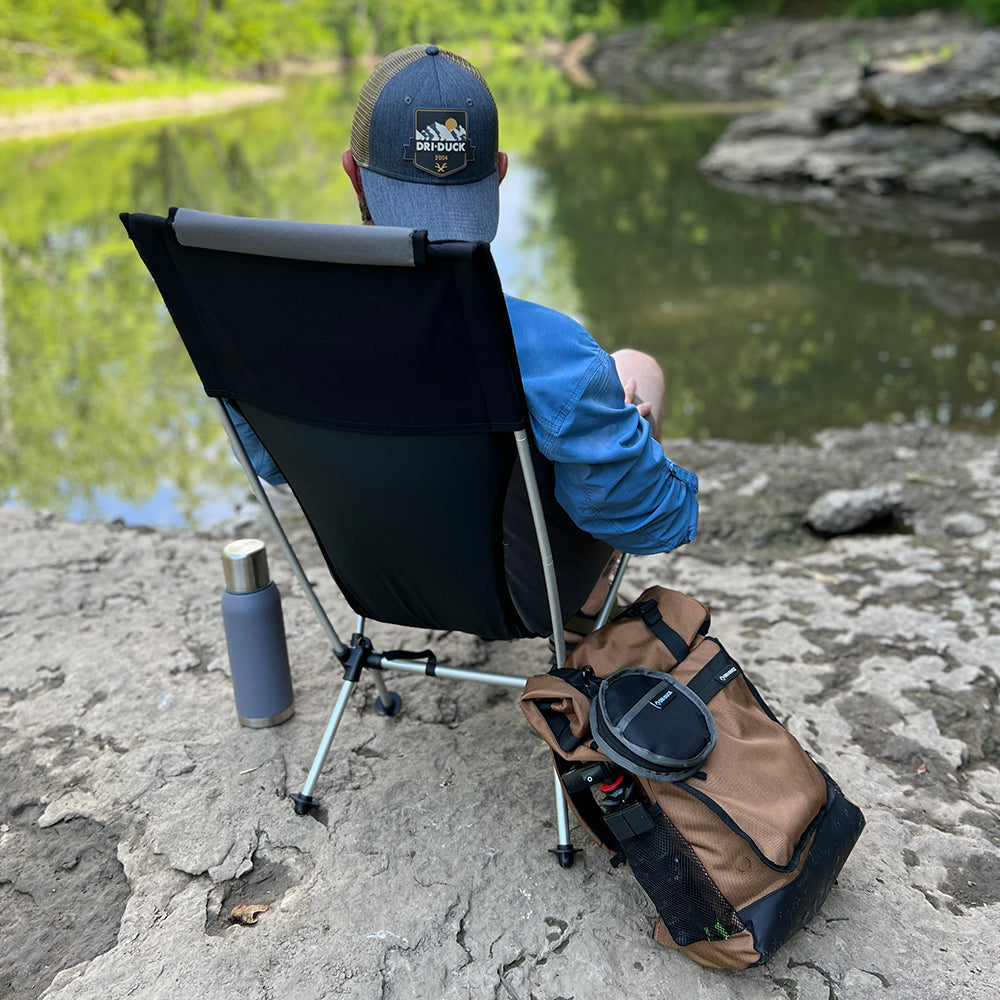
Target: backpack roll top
(560, 714)
(624, 641)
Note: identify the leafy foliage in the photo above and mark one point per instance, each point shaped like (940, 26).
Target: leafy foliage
(51, 39)
(46, 38)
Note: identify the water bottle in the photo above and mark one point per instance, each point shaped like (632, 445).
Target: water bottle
(255, 636)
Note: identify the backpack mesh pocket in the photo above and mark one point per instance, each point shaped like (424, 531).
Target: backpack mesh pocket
(667, 868)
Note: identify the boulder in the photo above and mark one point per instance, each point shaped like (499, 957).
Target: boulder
(919, 117)
(877, 158)
(964, 525)
(843, 512)
(961, 88)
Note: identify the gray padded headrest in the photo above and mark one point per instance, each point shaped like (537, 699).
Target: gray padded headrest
(337, 244)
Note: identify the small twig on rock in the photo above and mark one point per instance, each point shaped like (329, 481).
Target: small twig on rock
(505, 983)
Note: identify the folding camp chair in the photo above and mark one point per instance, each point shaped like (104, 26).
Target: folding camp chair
(378, 370)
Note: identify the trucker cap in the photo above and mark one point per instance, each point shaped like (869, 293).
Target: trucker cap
(425, 138)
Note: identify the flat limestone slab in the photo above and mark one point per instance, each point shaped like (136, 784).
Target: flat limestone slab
(135, 813)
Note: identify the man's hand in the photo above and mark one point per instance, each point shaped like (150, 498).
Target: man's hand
(644, 408)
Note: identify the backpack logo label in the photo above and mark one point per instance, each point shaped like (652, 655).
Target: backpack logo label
(727, 675)
(662, 700)
(440, 143)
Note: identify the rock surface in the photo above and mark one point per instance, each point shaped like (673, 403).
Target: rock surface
(782, 59)
(135, 813)
(882, 106)
(922, 121)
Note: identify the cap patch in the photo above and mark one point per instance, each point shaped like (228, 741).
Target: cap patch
(440, 143)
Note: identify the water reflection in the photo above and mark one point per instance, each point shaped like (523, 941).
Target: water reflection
(772, 321)
(770, 325)
(101, 415)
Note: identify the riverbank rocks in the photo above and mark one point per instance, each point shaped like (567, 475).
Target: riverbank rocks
(960, 90)
(924, 121)
(869, 157)
(780, 59)
(886, 106)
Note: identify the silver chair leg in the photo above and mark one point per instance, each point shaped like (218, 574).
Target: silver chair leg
(387, 702)
(564, 851)
(611, 600)
(304, 800)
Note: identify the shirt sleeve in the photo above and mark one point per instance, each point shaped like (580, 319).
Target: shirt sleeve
(259, 457)
(612, 476)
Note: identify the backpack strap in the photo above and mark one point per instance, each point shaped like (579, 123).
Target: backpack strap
(720, 670)
(585, 681)
(649, 612)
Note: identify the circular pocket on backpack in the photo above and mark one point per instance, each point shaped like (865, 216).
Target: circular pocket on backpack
(652, 724)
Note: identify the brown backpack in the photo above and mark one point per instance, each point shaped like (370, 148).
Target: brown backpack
(673, 762)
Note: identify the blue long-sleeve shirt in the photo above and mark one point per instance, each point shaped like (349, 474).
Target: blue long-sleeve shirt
(612, 476)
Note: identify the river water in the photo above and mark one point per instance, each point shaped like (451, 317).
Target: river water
(772, 321)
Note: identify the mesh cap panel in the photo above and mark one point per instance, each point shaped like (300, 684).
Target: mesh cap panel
(375, 84)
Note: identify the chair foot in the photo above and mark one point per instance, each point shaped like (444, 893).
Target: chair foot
(304, 804)
(395, 704)
(565, 853)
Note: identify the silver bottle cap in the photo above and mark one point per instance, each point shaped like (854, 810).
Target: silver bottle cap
(244, 563)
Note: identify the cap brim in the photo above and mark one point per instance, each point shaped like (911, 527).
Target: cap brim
(446, 211)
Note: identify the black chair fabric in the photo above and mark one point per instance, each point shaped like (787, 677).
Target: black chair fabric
(386, 396)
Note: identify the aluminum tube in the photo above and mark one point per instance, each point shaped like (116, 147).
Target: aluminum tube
(611, 600)
(331, 731)
(456, 673)
(381, 687)
(544, 548)
(562, 811)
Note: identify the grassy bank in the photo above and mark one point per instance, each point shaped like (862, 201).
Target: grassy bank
(58, 97)
(33, 113)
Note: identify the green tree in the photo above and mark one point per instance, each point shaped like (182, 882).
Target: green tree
(55, 37)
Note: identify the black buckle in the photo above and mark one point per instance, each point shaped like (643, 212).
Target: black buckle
(629, 822)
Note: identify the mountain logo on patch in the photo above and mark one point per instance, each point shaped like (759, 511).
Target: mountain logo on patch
(440, 143)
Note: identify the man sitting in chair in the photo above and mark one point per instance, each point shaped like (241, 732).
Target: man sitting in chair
(424, 155)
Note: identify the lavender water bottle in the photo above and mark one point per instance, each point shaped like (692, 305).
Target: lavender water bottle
(255, 636)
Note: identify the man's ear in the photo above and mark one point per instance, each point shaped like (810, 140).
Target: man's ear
(353, 171)
(501, 165)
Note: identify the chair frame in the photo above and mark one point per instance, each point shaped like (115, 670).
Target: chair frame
(354, 244)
